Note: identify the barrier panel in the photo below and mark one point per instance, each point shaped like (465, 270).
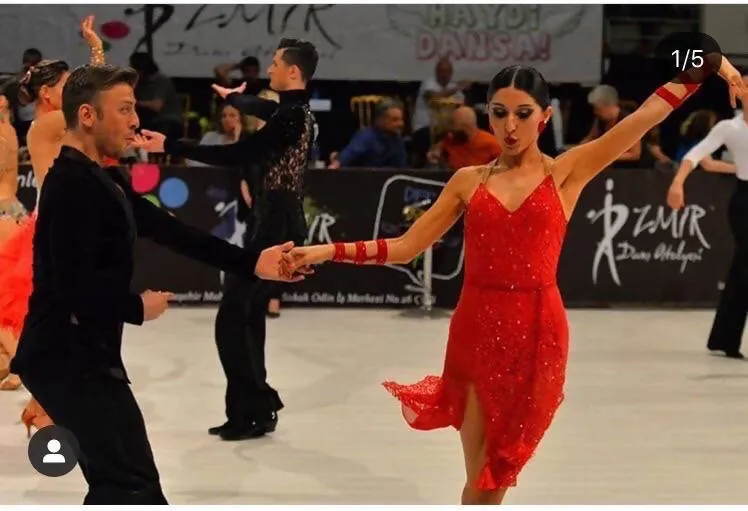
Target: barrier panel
(624, 246)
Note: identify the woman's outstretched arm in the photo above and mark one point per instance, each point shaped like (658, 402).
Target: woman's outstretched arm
(581, 164)
(428, 229)
(93, 41)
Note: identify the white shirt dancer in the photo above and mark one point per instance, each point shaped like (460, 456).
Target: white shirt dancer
(732, 310)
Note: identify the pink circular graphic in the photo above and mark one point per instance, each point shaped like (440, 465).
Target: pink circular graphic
(115, 29)
(145, 177)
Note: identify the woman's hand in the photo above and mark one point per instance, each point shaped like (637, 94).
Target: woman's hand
(300, 259)
(734, 81)
(89, 34)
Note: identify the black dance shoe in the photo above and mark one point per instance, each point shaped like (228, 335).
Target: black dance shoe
(216, 430)
(255, 429)
(729, 354)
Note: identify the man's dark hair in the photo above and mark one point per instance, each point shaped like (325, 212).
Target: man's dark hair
(301, 54)
(249, 62)
(86, 82)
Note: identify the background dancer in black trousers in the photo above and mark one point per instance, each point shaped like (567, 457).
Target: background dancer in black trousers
(281, 150)
(729, 322)
(69, 353)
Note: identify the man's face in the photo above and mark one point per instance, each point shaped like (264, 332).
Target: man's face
(250, 73)
(605, 111)
(463, 122)
(444, 72)
(114, 121)
(279, 72)
(393, 121)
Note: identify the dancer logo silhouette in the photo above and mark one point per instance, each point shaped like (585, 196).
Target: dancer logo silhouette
(53, 451)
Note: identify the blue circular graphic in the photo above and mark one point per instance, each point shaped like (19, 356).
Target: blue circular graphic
(173, 193)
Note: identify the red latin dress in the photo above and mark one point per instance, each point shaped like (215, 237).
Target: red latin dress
(508, 336)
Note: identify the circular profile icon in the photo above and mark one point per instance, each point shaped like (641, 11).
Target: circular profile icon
(53, 451)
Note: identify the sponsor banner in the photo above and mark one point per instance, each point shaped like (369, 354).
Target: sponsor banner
(563, 41)
(624, 245)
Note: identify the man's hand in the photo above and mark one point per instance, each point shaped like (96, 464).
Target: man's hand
(334, 161)
(435, 154)
(225, 91)
(270, 265)
(151, 141)
(301, 259)
(155, 303)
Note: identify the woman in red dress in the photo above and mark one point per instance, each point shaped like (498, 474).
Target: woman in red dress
(43, 86)
(504, 372)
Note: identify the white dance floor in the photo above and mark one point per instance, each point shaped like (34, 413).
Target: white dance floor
(650, 417)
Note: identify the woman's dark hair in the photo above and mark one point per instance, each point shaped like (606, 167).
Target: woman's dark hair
(697, 125)
(9, 89)
(46, 72)
(524, 78)
(218, 117)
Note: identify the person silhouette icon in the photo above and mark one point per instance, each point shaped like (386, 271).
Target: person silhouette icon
(54, 456)
(53, 451)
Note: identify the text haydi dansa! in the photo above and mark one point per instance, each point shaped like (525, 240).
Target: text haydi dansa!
(482, 33)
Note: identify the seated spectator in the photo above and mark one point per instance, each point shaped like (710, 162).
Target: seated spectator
(608, 113)
(378, 146)
(249, 69)
(654, 153)
(157, 104)
(466, 144)
(228, 130)
(693, 130)
(436, 87)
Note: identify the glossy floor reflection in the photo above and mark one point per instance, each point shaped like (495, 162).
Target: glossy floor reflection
(650, 417)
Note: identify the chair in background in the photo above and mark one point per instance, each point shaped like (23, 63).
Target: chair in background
(363, 108)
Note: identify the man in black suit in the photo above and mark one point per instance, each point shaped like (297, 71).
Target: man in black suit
(69, 354)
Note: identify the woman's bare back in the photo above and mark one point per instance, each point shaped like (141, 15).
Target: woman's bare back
(44, 142)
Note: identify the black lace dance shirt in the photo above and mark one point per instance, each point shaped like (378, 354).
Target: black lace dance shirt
(280, 150)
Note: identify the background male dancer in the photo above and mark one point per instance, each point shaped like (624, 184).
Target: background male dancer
(729, 322)
(281, 149)
(69, 354)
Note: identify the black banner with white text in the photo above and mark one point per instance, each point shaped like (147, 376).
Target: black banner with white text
(624, 245)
